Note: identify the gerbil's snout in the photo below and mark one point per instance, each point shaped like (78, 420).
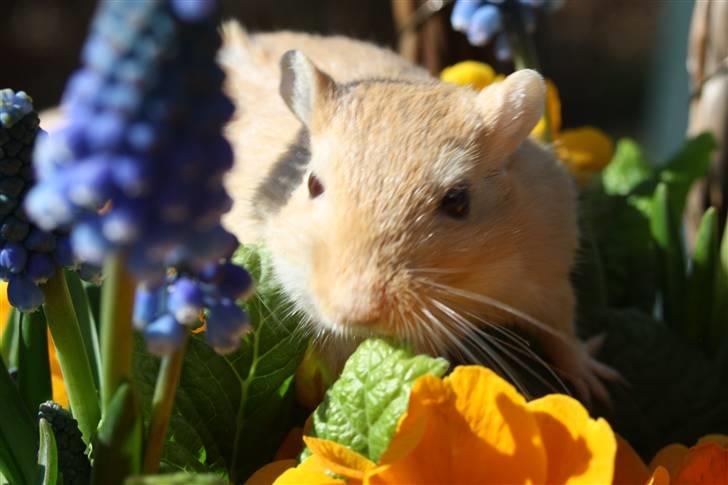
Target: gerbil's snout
(357, 301)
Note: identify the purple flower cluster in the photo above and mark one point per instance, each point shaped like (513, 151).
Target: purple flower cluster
(482, 20)
(138, 168)
(28, 255)
(161, 311)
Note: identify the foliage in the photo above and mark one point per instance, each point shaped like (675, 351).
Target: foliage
(231, 412)
(362, 407)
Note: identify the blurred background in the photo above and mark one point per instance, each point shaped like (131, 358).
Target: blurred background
(619, 64)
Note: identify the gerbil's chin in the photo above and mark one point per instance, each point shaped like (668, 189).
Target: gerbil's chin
(343, 329)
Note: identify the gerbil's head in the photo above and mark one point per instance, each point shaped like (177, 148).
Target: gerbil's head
(409, 202)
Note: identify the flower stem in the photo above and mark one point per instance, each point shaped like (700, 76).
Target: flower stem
(164, 393)
(72, 355)
(117, 300)
(524, 51)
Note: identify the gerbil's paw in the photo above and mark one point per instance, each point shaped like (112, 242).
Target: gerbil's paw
(586, 373)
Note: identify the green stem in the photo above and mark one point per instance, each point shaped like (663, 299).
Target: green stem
(164, 392)
(72, 355)
(524, 52)
(117, 300)
(34, 373)
(11, 339)
(87, 322)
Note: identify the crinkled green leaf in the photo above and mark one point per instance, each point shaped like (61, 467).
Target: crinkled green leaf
(232, 412)
(363, 406)
(675, 392)
(623, 249)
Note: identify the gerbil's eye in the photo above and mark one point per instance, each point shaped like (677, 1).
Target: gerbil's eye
(456, 203)
(315, 187)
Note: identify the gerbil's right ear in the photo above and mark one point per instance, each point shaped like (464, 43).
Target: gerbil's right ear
(304, 88)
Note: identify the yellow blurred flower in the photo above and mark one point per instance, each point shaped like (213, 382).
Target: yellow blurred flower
(705, 463)
(313, 378)
(470, 73)
(57, 384)
(585, 151)
(470, 427)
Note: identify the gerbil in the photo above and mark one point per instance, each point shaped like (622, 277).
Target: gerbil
(395, 204)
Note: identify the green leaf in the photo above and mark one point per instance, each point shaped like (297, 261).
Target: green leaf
(18, 435)
(11, 339)
(232, 412)
(622, 251)
(118, 444)
(674, 392)
(177, 479)
(86, 322)
(690, 163)
(702, 279)
(34, 373)
(363, 406)
(671, 257)
(47, 454)
(627, 170)
(719, 317)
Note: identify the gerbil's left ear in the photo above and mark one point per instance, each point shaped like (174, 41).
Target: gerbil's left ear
(305, 89)
(512, 108)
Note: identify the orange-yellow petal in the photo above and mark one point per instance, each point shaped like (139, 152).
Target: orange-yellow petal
(628, 466)
(553, 108)
(471, 427)
(659, 477)
(670, 457)
(311, 472)
(270, 472)
(705, 464)
(338, 458)
(4, 306)
(469, 73)
(720, 439)
(578, 449)
(584, 149)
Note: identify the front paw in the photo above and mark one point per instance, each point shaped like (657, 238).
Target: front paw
(576, 361)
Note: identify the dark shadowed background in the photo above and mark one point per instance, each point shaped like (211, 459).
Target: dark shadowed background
(619, 64)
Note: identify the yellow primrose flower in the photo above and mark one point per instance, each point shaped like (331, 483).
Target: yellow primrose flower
(585, 151)
(469, 73)
(57, 384)
(705, 463)
(471, 427)
(313, 378)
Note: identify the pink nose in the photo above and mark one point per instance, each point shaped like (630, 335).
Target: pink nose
(358, 304)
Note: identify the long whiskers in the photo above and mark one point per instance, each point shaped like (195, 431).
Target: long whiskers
(486, 300)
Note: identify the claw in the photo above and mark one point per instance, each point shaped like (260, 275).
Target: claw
(588, 376)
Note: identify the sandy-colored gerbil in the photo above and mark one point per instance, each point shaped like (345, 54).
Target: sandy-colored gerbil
(399, 205)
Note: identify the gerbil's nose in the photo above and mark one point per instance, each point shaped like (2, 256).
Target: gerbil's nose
(358, 303)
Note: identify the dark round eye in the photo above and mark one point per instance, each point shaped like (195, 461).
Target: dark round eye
(315, 187)
(456, 202)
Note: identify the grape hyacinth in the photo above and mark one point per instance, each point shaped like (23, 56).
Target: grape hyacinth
(482, 20)
(28, 255)
(138, 169)
(162, 311)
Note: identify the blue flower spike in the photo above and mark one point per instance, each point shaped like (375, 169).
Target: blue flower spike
(138, 169)
(482, 20)
(29, 255)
